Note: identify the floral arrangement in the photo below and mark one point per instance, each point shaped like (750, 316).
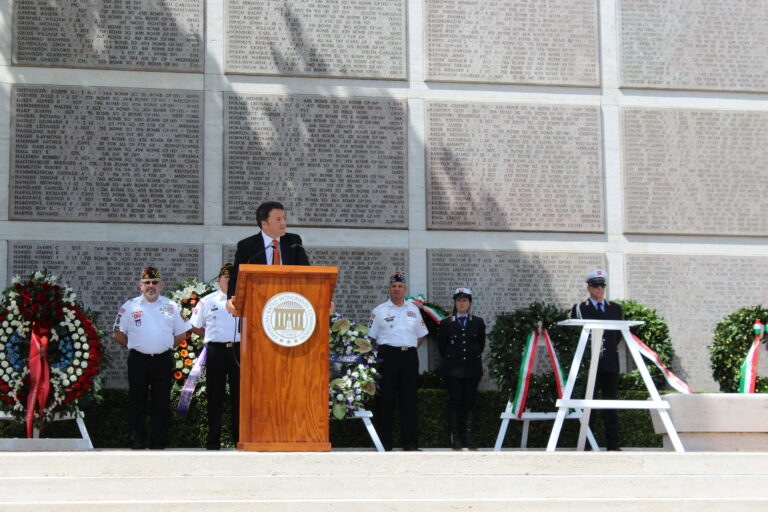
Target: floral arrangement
(187, 295)
(732, 338)
(72, 356)
(354, 377)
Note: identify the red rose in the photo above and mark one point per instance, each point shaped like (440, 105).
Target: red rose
(35, 307)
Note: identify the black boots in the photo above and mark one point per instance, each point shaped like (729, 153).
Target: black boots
(455, 431)
(470, 437)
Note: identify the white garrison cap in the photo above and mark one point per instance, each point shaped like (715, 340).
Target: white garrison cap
(596, 274)
(462, 292)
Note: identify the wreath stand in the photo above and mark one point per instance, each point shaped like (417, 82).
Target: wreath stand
(527, 417)
(49, 444)
(366, 416)
(596, 328)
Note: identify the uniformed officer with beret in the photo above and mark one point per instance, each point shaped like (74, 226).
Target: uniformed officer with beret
(211, 320)
(461, 341)
(596, 307)
(398, 329)
(150, 325)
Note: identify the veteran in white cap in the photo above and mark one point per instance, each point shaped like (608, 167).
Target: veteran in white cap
(461, 341)
(398, 329)
(607, 381)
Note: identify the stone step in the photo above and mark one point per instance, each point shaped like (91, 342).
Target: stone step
(122, 480)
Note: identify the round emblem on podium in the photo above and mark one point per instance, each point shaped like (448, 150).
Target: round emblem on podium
(288, 319)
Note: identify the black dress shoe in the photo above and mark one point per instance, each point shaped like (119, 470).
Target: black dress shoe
(614, 449)
(213, 446)
(138, 446)
(411, 449)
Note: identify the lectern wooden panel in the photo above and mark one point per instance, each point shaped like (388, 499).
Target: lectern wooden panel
(283, 389)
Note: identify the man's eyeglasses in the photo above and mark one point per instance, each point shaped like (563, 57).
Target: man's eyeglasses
(597, 285)
(150, 282)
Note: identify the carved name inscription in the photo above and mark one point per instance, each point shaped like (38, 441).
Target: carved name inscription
(551, 42)
(106, 154)
(697, 44)
(352, 38)
(104, 275)
(499, 166)
(330, 161)
(695, 171)
(699, 292)
(118, 34)
(363, 275)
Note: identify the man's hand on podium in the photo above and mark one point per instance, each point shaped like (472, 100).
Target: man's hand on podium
(231, 307)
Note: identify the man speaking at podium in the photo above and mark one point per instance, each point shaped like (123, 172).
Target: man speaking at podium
(272, 246)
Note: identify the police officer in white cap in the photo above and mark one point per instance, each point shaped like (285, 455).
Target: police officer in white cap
(461, 341)
(596, 307)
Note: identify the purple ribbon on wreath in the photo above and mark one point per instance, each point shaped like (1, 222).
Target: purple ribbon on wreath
(189, 386)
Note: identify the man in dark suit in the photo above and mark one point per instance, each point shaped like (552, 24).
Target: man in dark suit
(596, 307)
(272, 246)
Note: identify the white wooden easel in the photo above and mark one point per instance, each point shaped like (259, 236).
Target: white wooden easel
(596, 328)
(535, 416)
(366, 416)
(53, 444)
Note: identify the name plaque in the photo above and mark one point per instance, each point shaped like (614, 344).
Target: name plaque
(347, 38)
(104, 275)
(702, 291)
(553, 42)
(363, 275)
(695, 171)
(110, 34)
(106, 154)
(696, 44)
(514, 167)
(330, 161)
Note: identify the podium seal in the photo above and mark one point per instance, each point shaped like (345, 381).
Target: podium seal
(288, 319)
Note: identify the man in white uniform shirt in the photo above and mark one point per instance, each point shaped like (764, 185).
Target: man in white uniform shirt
(398, 329)
(150, 326)
(211, 320)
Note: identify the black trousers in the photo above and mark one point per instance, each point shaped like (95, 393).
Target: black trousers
(149, 374)
(462, 394)
(607, 384)
(399, 382)
(222, 367)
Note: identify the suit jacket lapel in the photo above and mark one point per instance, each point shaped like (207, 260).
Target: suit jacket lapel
(261, 258)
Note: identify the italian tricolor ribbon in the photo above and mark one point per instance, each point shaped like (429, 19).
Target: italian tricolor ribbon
(749, 367)
(39, 375)
(673, 380)
(419, 302)
(526, 369)
(189, 387)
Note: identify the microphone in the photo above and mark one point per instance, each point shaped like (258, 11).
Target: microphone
(254, 256)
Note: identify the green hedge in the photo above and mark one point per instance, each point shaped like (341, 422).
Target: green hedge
(108, 426)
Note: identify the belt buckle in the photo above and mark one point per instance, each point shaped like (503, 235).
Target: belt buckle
(229, 345)
(404, 348)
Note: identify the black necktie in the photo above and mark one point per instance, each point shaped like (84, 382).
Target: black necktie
(463, 321)
(600, 307)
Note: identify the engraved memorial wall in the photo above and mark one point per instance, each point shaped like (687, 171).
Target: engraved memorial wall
(111, 34)
(696, 44)
(695, 171)
(552, 42)
(693, 293)
(104, 275)
(348, 38)
(363, 275)
(106, 154)
(499, 166)
(330, 161)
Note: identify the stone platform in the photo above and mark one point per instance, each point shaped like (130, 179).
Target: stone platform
(180, 480)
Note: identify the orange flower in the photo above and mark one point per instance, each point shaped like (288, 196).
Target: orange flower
(183, 344)
(188, 362)
(183, 353)
(177, 375)
(193, 302)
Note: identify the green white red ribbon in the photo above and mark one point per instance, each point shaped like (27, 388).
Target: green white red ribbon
(526, 369)
(749, 366)
(419, 302)
(673, 380)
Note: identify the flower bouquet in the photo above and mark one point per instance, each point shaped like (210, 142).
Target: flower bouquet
(354, 377)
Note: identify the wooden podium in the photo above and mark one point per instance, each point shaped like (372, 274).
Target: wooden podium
(284, 387)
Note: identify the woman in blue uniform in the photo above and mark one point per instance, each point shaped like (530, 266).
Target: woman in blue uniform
(461, 341)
